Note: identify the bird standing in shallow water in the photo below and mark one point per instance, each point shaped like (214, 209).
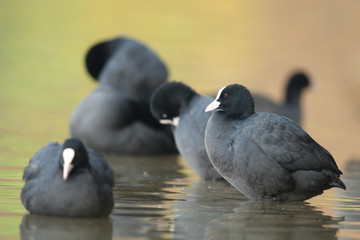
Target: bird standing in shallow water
(263, 155)
(177, 104)
(68, 180)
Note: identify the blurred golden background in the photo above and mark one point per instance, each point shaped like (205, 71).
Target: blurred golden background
(206, 44)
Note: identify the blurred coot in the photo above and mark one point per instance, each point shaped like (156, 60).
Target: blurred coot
(116, 117)
(291, 106)
(177, 104)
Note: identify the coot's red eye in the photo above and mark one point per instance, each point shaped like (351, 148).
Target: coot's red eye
(225, 95)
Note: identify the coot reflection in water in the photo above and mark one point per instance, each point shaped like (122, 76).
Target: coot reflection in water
(159, 198)
(254, 220)
(215, 210)
(42, 227)
(145, 189)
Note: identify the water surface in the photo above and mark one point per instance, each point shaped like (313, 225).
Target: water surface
(157, 199)
(206, 45)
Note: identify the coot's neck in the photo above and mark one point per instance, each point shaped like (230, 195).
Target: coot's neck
(239, 115)
(184, 97)
(293, 97)
(241, 110)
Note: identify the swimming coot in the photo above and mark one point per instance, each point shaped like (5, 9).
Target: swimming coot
(68, 180)
(291, 106)
(116, 117)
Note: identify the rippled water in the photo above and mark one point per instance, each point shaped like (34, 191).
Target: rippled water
(256, 43)
(156, 199)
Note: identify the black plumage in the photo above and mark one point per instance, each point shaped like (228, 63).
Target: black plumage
(81, 188)
(116, 117)
(264, 155)
(179, 105)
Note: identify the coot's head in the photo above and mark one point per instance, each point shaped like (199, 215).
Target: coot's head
(99, 54)
(127, 64)
(168, 100)
(297, 83)
(73, 156)
(235, 100)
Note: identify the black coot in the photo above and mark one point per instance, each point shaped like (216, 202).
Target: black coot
(68, 180)
(263, 155)
(177, 104)
(116, 117)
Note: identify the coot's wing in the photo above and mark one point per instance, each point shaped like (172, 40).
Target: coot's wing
(100, 169)
(255, 166)
(41, 161)
(288, 144)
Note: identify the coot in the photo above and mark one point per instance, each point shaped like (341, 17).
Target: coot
(177, 104)
(68, 180)
(263, 155)
(116, 117)
(291, 106)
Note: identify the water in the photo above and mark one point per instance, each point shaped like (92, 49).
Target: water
(156, 199)
(42, 79)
